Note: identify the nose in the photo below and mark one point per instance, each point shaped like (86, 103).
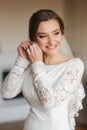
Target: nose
(50, 40)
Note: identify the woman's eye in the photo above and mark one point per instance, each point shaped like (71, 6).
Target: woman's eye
(56, 33)
(41, 36)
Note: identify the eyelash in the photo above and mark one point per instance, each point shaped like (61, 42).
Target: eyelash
(41, 36)
(56, 33)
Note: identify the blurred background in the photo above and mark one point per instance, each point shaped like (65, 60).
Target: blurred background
(14, 19)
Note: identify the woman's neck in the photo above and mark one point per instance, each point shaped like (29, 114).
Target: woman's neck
(55, 59)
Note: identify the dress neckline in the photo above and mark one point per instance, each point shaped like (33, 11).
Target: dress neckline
(68, 61)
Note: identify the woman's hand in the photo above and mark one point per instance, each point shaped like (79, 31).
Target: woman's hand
(35, 53)
(22, 49)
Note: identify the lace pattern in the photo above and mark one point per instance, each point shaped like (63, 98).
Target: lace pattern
(12, 81)
(20, 61)
(76, 106)
(67, 87)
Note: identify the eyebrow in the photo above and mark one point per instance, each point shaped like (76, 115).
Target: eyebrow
(56, 30)
(44, 32)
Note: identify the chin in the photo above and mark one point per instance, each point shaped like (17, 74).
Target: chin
(52, 53)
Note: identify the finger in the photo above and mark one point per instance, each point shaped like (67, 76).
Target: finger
(38, 48)
(28, 52)
(32, 49)
(25, 44)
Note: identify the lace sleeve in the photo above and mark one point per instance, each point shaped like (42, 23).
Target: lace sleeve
(66, 86)
(76, 106)
(13, 82)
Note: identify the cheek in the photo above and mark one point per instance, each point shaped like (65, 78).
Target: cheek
(41, 43)
(60, 39)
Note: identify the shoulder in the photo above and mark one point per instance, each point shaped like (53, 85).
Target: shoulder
(76, 63)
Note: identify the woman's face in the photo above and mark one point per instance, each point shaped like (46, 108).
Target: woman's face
(49, 37)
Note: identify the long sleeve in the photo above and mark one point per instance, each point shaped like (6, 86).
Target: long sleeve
(12, 84)
(66, 87)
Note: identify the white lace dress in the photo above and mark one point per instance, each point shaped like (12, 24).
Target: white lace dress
(53, 92)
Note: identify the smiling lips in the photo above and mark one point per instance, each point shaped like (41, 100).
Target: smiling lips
(51, 47)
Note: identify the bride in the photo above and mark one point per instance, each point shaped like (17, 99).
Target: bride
(47, 74)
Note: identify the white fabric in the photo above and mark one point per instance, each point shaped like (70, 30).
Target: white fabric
(66, 48)
(53, 92)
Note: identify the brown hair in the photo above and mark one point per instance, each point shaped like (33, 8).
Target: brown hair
(42, 15)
